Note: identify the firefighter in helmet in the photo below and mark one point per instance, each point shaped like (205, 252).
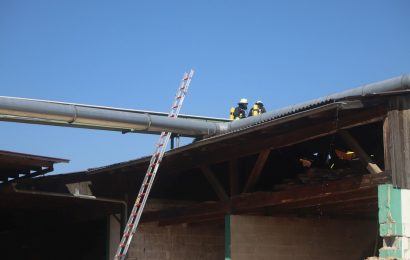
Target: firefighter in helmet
(257, 109)
(240, 111)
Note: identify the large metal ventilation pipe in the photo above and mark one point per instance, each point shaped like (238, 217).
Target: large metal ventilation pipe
(85, 116)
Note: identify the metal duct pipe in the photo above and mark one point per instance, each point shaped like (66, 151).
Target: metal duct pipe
(393, 84)
(100, 117)
(95, 117)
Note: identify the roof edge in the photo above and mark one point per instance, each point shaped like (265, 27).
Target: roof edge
(393, 84)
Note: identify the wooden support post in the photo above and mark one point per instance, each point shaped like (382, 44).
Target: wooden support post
(257, 170)
(233, 177)
(386, 145)
(355, 146)
(216, 185)
(397, 140)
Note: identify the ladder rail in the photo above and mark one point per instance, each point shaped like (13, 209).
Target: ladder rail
(149, 177)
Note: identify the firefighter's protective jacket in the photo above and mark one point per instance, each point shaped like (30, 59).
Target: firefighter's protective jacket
(239, 113)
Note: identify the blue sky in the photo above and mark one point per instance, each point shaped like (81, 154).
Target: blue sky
(132, 54)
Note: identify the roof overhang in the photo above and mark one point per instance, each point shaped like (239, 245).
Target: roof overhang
(15, 166)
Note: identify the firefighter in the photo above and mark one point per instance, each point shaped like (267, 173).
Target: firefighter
(240, 111)
(257, 109)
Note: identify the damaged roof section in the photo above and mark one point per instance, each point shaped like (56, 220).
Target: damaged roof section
(184, 163)
(15, 166)
(270, 151)
(279, 132)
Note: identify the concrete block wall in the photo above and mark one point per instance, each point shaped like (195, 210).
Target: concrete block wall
(114, 231)
(394, 220)
(201, 242)
(258, 237)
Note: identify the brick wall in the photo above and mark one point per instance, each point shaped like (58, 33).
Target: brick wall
(202, 242)
(254, 237)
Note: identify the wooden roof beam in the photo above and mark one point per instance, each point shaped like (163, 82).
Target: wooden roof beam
(216, 185)
(355, 146)
(256, 171)
(359, 188)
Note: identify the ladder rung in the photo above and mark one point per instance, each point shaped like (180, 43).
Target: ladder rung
(152, 165)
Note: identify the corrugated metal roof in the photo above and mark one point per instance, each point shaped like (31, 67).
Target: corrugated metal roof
(390, 85)
(33, 157)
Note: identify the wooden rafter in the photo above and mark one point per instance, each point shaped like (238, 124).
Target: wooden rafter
(256, 171)
(355, 146)
(216, 185)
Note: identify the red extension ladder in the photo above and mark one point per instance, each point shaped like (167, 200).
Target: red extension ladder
(156, 158)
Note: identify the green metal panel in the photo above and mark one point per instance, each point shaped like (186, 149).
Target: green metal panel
(390, 210)
(228, 237)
